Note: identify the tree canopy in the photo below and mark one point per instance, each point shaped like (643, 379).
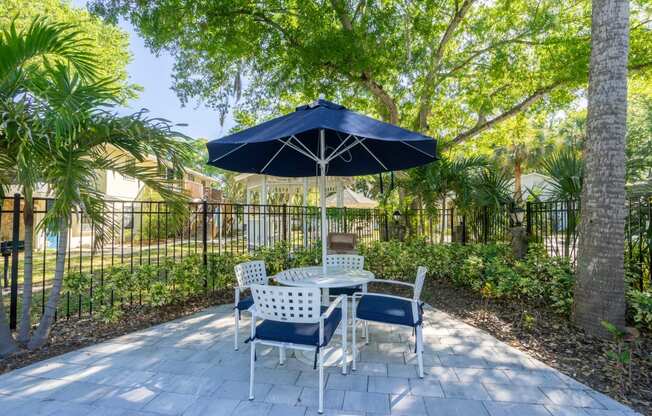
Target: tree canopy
(108, 43)
(452, 69)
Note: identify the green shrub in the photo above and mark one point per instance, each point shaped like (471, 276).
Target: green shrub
(187, 277)
(159, 294)
(538, 277)
(641, 305)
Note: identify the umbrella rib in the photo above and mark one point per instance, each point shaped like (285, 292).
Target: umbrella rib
(333, 155)
(372, 155)
(307, 153)
(275, 154)
(416, 148)
(228, 153)
(349, 147)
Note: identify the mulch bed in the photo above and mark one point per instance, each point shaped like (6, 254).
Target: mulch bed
(549, 337)
(73, 334)
(554, 340)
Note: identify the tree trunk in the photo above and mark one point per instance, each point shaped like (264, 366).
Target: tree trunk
(600, 285)
(42, 333)
(443, 219)
(28, 219)
(518, 191)
(7, 344)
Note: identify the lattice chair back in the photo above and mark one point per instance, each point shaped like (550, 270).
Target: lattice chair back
(287, 304)
(346, 261)
(250, 273)
(293, 275)
(418, 283)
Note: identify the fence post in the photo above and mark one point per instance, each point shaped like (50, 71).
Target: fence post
(528, 219)
(453, 236)
(285, 222)
(464, 229)
(15, 236)
(346, 228)
(386, 223)
(204, 238)
(485, 224)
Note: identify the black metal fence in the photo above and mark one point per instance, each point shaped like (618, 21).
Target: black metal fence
(554, 225)
(143, 234)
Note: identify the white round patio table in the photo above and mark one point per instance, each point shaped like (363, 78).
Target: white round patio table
(335, 277)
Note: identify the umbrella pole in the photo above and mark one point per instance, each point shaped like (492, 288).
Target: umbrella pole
(322, 196)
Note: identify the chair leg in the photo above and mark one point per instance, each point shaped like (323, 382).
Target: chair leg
(252, 364)
(321, 382)
(354, 330)
(236, 314)
(281, 355)
(419, 341)
(345, 329)
(366, 333)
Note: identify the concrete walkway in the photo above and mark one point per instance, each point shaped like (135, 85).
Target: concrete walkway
(188, 367)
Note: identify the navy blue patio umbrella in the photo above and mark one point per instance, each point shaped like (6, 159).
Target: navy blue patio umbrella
(322, 139)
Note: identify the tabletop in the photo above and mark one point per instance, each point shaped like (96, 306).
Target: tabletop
(313, 276)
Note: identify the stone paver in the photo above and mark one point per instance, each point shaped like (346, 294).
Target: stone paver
(188, 367)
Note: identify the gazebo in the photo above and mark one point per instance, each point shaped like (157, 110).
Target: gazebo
(268, 190)
(265, 190)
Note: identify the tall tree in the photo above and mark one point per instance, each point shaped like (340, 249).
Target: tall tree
(452, 68)
(600, 284)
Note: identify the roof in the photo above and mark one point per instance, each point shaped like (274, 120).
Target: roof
(351, 199)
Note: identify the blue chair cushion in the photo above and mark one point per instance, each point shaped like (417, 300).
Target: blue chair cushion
(245, 303)
(387, 310)
(299, 333)
(349, 290)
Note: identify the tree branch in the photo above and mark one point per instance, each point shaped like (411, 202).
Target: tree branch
(483, 124)
(365, 77)
(435, 62)
(523, 105)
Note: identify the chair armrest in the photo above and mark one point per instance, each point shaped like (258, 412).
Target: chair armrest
(338, 300)
(393, 282)
(382, 295)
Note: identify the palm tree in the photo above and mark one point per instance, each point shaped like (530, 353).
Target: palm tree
(73, 158)
(56, 129)
(600, 283)
(24, 58)
(523, 145)
(435, 181)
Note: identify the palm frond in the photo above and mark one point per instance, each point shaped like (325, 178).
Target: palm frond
(565, 169)
(22, 52)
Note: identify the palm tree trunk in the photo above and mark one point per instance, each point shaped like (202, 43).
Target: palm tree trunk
(42, 333)
(600, 285)
(7, 344)
(28, 219)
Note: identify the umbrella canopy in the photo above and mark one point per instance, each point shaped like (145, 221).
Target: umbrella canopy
(354, 145)
(322, 138)
(351, 199)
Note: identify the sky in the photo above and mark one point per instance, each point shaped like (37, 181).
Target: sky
(154, 74)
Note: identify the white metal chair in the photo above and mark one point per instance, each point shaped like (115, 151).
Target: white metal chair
(349, 262)
(247, 274)
(294, 318)
(394, 310)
